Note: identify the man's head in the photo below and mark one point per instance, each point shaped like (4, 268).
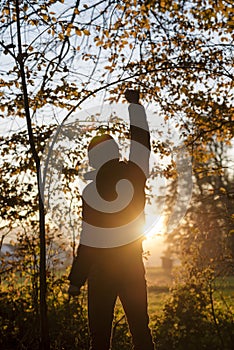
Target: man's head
(101, 149)
(132, 96)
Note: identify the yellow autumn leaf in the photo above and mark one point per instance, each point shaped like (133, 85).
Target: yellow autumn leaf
(78, 32)
(6, 11)
(86, 32)
(99, 43)
(45, 17)
(61, 36)
(68, 32)
(222, 189)
(231, 23)
(106, 33)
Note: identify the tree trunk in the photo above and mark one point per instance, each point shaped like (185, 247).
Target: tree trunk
(44, 332)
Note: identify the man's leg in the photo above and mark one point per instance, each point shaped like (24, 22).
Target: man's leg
(133, 295)
(101, 301)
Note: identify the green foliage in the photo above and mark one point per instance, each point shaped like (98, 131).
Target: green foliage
(191, 317)
(19, 301)
(121, 338)
(20, 326)
(68, 325)
(190, 321)
(68, 322)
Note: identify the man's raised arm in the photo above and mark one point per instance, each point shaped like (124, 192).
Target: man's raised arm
(139, 129)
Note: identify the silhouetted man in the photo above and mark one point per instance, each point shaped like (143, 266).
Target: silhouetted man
(110, 250)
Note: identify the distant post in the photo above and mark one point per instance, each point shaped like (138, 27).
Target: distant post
(167, 263)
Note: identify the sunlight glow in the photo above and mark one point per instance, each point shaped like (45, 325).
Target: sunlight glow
(154, 227)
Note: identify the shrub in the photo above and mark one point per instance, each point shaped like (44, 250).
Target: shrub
(189, 321)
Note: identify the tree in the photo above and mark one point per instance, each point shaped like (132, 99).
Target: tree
(207, 226)
(57, 54)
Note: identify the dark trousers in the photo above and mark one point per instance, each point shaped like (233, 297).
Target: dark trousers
(124, 278)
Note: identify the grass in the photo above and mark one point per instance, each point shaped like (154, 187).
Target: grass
(160, 281)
